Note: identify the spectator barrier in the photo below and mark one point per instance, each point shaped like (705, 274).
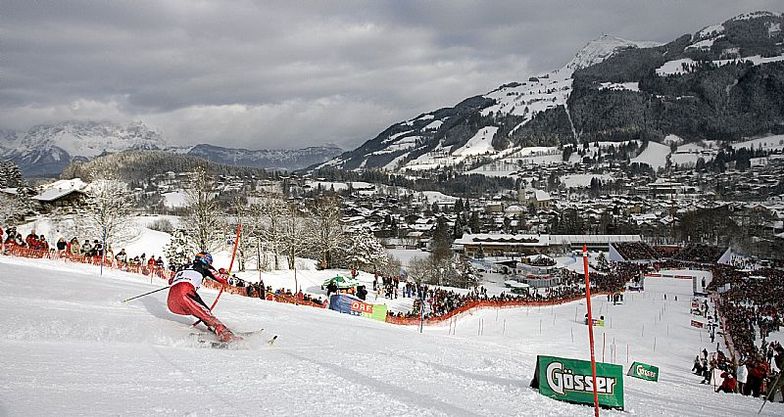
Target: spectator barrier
(298, 299)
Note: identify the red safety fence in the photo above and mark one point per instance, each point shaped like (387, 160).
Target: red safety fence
(298, 299)
(481, 304)
(146, 270)
(143, 269)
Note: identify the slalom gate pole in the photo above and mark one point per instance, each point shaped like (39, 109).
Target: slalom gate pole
(770, 394)
(590, 328)
(145, 294)
(231, 264)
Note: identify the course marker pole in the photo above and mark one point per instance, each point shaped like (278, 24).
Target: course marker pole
(590, 328)
(231, 264)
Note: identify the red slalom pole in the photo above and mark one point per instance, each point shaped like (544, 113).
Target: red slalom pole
(590, 327)
(231, 264)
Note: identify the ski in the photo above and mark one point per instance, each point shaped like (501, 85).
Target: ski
(249, 333)
(205, 339)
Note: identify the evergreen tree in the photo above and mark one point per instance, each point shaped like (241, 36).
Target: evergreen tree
(361, 250)
(441, 245)
(474, 223)
(180, 249)
(459, 205)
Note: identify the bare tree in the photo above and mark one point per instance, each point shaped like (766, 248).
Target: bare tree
(108, 211)
(326, 230)
(272, 214)
(204, 222)
(11, 208)
(293, 233)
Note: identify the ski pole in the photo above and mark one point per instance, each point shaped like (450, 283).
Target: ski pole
(145, 294)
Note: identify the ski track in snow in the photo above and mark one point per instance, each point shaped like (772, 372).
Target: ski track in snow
(72, 348)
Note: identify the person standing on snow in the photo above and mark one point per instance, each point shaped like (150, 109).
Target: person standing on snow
(184, 300)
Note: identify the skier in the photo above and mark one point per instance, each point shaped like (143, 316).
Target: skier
(184, 300)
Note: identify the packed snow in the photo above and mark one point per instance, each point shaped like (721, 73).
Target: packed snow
(481, 143)
(711, 30)
(655, 155)
(513, 159)
(175, 199)
(768, 143)
(583, 180)
(434, 125)
(703, 44)
(72, 348)
(681, 66)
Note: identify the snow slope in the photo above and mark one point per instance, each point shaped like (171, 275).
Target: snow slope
(71, 348)
(480, 143)
(768, 143)
(655, 155)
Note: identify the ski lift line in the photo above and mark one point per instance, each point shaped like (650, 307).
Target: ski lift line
(231, 265)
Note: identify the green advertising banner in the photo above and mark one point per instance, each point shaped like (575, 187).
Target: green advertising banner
(571, 380)
(644, 371)
(379, 312)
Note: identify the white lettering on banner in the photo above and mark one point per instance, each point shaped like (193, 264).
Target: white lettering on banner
(361, 307)
(562, 380)
(641, 371)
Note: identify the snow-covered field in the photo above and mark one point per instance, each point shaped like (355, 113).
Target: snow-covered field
(72, 348)
(583, 180)
(768, 143)
(655, 155)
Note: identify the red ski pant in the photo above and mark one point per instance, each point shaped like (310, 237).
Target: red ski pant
(184, 300)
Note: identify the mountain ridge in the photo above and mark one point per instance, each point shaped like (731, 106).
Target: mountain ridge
(697, 87)
(45, 150)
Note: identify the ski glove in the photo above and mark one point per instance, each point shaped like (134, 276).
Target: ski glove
(222, 279)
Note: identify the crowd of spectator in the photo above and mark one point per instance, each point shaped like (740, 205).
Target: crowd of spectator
(390, 286)
(700, 253)
(439, 302)
(636, 251)
(36, 246)
(750, 306)
(541, 260)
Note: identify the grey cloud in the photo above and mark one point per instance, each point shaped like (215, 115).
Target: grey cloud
(270, 74)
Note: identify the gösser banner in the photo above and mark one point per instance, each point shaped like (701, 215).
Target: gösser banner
(644, 371)
(570, 380)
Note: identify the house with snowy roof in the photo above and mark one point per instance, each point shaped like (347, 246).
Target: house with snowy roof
(63, 193)
(540, 199)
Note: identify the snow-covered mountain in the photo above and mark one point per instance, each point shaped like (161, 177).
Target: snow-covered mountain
(440, 138)
(722, 83)
(45, 150)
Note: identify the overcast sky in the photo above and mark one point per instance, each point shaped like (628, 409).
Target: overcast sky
(268, 74)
